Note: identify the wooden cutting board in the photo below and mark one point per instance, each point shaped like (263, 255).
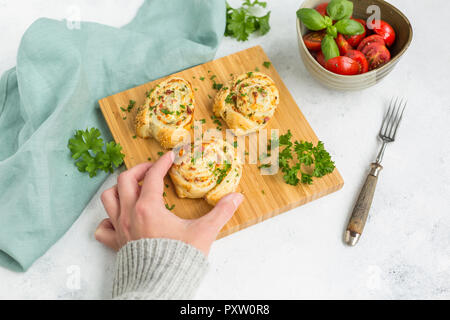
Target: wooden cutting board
(265, 195)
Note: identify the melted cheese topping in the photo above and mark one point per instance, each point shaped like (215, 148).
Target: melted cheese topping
(255, 96)
(211, 167)
(171, 104)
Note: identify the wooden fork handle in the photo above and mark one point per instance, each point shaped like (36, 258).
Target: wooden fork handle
(361, 210)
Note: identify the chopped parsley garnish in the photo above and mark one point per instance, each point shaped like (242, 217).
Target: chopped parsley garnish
(217, 86)
(148, 93)
(166, 111)
(221, 173)
(134, 137)
(249, 74)
(149, 159)
(202, 78)
(123, 109)
(202, 120)
(160, 153)
(267, 64)
(229, 98)
(131, 105)
(170, 208)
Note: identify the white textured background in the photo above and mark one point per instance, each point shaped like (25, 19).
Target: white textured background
(405, 249)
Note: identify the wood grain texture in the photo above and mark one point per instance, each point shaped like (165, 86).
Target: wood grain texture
(364, 202)
(258, 205)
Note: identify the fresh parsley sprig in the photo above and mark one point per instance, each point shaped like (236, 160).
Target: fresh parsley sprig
(92, 154)
(308, 156)
(241, 22)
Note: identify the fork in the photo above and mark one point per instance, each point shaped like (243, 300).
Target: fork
(387, 134)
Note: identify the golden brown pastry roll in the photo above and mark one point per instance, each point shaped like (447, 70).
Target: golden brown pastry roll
(210, 171)
(168, 112)
(247, 103)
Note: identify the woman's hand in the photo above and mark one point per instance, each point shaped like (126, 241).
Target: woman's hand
(138, 212)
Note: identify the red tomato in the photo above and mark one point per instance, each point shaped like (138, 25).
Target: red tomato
(322, 8)
(321, 59)
(370, 39)
(385, 30)
(356, 39)
(313, 40)
(363, 22)
(342, 44)
(343, 65)
(359, 57)
(376, 54)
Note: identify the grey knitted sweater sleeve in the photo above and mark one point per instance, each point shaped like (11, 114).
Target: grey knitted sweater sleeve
(158, 269)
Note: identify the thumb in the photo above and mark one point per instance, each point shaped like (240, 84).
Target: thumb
(154, 178)
(223, 211)
(106, 234)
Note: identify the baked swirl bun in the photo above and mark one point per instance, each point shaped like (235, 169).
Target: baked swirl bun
(247, 103)
(211, 171)
(168, 112)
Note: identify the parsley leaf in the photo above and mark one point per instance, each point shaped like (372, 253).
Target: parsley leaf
(86, 147)
(308, 156)
(267, 64)
(241, 22)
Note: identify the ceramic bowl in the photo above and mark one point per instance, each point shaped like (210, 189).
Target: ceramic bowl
(332, 80)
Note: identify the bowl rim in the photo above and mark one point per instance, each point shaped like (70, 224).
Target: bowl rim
(362, 75)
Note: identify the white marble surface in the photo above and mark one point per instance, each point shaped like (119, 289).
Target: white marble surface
(405, 249)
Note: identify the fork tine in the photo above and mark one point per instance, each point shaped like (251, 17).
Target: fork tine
(385, 118)
(401, 116)
(389, 119)
(394, 122)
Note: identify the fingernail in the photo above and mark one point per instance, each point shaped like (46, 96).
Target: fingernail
(237, 199)
(97, 232)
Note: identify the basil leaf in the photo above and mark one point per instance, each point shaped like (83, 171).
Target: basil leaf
(328, 21)
(329, 47)
(349, 27)
(312, 19)
(332, 31)
(340, 9)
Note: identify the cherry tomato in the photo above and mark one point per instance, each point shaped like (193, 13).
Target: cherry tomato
(343, 65)
(376, 54)
(359, 57)
(385, 30)
(342, 44)
(313, 40)
(321, 59)
(356, 39)
(370, 39)
(322, 8)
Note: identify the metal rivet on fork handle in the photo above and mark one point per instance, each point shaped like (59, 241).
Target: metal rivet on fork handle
(387, 134)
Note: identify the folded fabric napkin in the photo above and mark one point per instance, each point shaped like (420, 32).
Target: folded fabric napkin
(61, 72)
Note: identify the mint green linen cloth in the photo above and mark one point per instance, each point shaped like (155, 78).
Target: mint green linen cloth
(61, 72)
